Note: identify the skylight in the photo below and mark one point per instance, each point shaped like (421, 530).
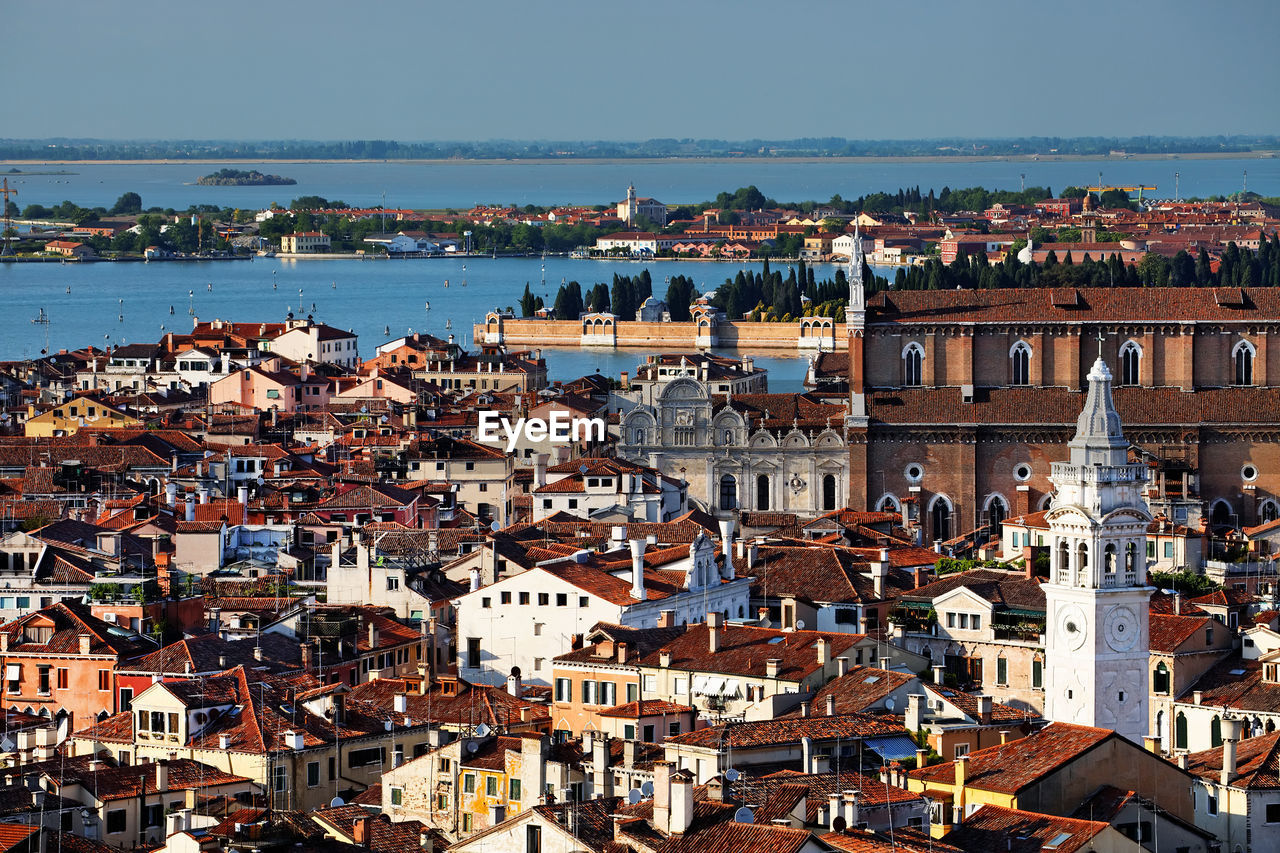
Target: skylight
(1058, 840)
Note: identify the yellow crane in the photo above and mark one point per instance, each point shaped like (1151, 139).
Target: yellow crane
(8, 220)
(1139, 190)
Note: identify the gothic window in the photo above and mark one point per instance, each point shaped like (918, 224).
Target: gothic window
(940, 518)
(997, 512)
(829, 492)
(1180, 731)
(912, 362)
(1268, 511)
(762, 492)
(888, 503)
(1215, 731)
(1242, 359)
(1221, 514)
(1160, 680)
(728, 492)
(1130, 364)
(1020, 356)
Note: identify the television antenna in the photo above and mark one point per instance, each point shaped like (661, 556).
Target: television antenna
(8, 220)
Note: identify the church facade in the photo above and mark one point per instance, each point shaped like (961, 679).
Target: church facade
(961, 401)
(761, 452)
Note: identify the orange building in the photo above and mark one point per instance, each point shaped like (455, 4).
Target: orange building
(59, 663)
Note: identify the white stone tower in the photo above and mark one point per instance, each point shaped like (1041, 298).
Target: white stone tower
(1096, 636)
(855, 318)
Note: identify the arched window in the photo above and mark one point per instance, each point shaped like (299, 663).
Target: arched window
(1222, 514)
(912, 365)
(888, 503)
(1020, 358)
(1180, 731)
(1268, 511)
(940, 518)
(829, 492)
(728, 492)
(1160, 679)
(762, 492)
(1109, 559)
(1130, 364)
(1215, 731)
(1242, 359)
(997, 512)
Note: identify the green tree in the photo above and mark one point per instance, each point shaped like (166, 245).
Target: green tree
(127, 203)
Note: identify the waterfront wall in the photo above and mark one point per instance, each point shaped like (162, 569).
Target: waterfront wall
(663, 336)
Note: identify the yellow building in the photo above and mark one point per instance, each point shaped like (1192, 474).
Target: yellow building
(69, 417)
(475, 782)
(1051, 771)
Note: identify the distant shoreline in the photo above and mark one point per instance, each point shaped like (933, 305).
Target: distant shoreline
(926, 158)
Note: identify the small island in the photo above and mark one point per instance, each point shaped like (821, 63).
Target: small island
(240, 178)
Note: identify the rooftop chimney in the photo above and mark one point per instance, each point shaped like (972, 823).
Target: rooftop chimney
(913, 720)
(939, 672)
(1230, 734)
(984, 710)
(726, 547)
(515, 686)
(824, 652)
(831, 704)
(879, 572)
(637, 569)
(962, 776)
(162, 775)
(771, 667)
(681, 805)
(713, 632)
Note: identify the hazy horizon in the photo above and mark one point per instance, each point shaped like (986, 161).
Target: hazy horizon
(588, 71)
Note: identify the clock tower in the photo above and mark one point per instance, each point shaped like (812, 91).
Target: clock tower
(1096, 635)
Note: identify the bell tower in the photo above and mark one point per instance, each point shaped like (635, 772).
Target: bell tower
(1097, 629)
(855, 319)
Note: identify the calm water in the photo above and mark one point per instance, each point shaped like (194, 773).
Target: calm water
(464, 184)
(116, 303)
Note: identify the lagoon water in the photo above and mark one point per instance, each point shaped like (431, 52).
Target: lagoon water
(115, 303)
(462, 184)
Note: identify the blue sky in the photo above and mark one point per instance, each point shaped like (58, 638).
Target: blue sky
(606, 70)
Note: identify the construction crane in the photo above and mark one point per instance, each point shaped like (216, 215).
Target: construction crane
(8, 220)
(1139, 190)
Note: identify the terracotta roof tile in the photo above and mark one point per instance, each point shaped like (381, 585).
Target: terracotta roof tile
(1012, 766)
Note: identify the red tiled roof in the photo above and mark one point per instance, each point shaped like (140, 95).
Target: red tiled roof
(1012, 766)
(788, 731)
(1169, 632)
(745, 651)
(646, 707)
(1015, 831)
(1257, 763)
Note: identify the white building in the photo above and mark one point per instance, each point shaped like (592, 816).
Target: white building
(608, 489)
(527, 619)
(1097, 621)
(632, 208)
(310, 341)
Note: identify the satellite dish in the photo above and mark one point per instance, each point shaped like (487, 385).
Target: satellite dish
(364, 410)
(799, 624)
(385, 419)
(483, 730)
(647, 789)
(259, 480)
(472, 746)
(634, 796)
(744, 815)
(766, 623)
(839, 824)
(387, 725)
(336, 801)
(582, 469)
(495, 526)
(888, 703)
(732, 775)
